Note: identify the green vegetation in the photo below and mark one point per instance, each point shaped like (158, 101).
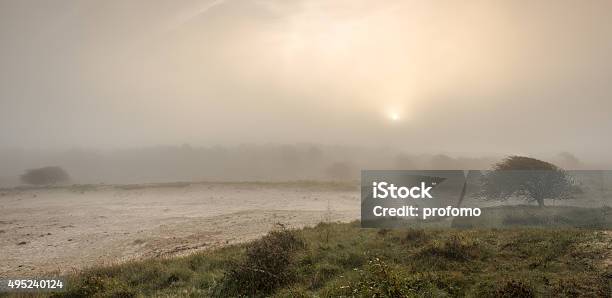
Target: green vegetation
(533, 216)
(334, 259)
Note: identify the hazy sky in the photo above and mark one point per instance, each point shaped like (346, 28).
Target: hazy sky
(450, 76)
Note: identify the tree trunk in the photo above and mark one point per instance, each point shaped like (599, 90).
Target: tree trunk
(540, 202)
(462, 193)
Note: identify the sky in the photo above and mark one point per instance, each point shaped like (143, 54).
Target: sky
(425, 76)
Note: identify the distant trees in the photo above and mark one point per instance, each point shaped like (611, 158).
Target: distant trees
(45, 176)
(529, 178)
(342, 171)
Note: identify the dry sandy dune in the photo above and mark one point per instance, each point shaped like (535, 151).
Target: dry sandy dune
(62, 229)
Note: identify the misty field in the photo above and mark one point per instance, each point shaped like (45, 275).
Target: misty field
(60, 229)
(294, 239)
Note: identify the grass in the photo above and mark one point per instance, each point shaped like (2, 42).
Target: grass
(335, 259)
(550, 216)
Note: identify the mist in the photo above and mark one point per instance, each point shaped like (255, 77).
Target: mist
(119, 80)
(267, 162)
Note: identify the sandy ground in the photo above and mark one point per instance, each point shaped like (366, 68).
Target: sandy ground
(61, 230)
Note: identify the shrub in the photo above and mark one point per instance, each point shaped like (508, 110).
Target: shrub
(266, 267)
(45, 176)
(514, 288)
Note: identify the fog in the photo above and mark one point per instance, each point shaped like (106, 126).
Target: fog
(239, 163)
(476, 79)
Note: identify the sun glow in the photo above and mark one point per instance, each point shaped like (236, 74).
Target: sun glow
(394, 116)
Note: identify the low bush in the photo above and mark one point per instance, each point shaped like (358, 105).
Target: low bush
(266, 267)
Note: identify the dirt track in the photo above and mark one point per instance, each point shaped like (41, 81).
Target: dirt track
(51, 230)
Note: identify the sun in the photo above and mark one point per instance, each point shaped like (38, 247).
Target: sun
(394, 116)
